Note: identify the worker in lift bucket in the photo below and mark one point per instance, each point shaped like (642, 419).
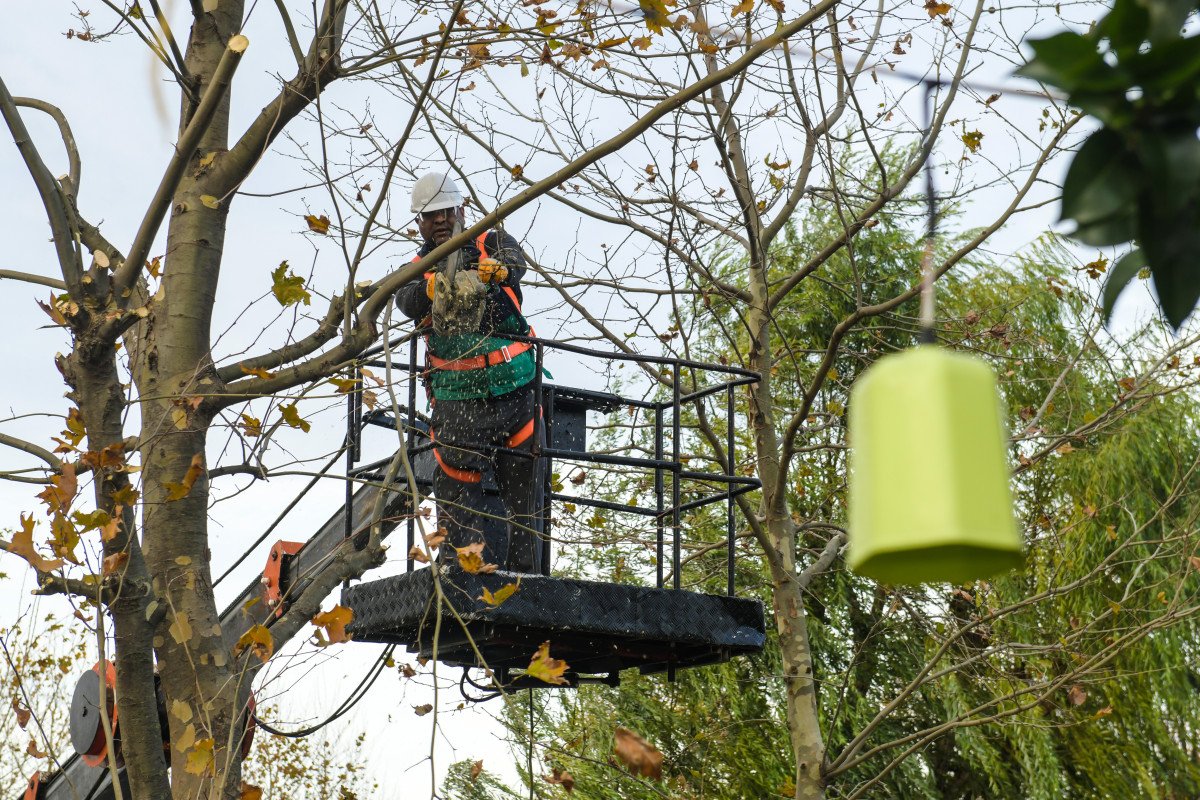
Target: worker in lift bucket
(481, 387)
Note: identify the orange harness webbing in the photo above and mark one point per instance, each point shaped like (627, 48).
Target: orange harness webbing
(474, 476)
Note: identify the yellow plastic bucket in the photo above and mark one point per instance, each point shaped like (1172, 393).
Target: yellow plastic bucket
(929, 495)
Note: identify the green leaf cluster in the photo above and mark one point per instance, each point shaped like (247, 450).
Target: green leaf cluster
(1138, 177)
(1071, 678)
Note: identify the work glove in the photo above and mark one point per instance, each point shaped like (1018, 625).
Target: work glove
(429, 284)
(492, 271)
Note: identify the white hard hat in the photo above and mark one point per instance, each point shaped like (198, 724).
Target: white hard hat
(433, 191)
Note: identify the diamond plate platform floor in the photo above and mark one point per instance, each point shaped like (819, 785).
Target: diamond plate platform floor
(597, 628)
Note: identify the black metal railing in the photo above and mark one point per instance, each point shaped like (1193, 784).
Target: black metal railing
(552, 399)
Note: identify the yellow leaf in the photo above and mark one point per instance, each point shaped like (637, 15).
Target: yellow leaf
(22, 545)
(655, 14)
(292, 418)
(178, 491)
(344, 385)
(502, 594)
(179, 417)
(288, 287)
(973, 140)
(250, 792)
(935, 8)
(126, 495)
(317, 224)
(200, 757)
(258, 640)
(209, 201)
(251, 426)
(607, 43)
(257, 372)
(470, 558)
(334, 621)
(545, 668)
(1115, 606)
(744, 7)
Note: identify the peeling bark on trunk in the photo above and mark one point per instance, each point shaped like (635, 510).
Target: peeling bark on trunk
(174, 375)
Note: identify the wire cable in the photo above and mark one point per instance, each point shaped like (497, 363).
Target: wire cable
(359, 693)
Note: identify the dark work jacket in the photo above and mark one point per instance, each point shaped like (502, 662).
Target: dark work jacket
(500, 316)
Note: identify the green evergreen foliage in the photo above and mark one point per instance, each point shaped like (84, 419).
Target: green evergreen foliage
(1070, 678)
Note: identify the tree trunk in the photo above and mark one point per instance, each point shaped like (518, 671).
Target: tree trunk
(175, 374)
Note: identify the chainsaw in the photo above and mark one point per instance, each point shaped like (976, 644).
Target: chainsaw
(458, 295)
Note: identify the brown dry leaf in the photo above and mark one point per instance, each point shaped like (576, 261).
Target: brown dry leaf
(421, 711)
(435, 539)
(23, 713)
(470, 558)
(178, 491)
(579, 477)
(502, 594)
(317, 224)
(1076, 695)
(251, 426)
(22, 545)
(517, 171)
(418, 555)
(53, 311)
(545, 668)
(639, 756)
(935, 8)
(62, 489)
(33, 750)
(407, 671)
(258, 640)
(561, 778)
(250, 792)
(334, 621)
(744, 7)
(476, 768)
(113, 563)
(200, 757)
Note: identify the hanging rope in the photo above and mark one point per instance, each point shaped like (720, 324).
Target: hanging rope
(927, 335)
